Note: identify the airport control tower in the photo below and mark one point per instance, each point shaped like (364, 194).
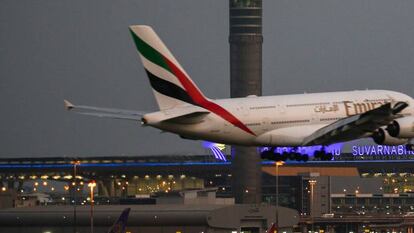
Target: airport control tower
(246, 79)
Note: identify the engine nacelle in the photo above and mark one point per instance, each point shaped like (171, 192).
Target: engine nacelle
(402, 128)
(382, 137)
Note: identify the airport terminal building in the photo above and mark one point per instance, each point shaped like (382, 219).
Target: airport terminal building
(343, 188)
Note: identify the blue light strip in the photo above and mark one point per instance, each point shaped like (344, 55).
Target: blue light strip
(132, 164)
(135, 164)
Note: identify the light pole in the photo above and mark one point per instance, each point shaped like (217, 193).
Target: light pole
(75, 164)
(312, 184)
(92, 185)
(277, 164)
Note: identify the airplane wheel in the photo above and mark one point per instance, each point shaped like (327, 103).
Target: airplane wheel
(284, 156)
(277, 157)
(298, 157)
(328, 157)
(266, 154)
(318, 154)
(325, 156)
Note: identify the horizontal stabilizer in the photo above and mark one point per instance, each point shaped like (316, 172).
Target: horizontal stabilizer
(190, 114)
(104, 112)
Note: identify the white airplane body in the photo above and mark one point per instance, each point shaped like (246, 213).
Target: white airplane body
(283, 120)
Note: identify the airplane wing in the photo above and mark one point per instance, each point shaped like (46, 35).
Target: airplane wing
(104, 112)
(355, 126)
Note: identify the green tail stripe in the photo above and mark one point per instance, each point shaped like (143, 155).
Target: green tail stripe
(149, 52)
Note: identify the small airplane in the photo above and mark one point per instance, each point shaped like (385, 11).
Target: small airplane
(120, 224)
(270, 121)
(272, 229)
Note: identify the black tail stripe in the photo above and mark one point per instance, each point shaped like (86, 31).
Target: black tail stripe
(169, 89)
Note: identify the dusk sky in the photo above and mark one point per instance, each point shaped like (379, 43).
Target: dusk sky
(79, 50)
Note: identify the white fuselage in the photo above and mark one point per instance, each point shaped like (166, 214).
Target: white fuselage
(283, 120)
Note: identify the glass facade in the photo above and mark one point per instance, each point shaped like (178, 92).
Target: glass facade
(245, 3)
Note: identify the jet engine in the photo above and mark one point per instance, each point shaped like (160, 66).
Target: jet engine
(382, 137)
(402, 128)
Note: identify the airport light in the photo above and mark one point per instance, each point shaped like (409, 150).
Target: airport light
(3, 189)
(75, 165)
(277, 164)
(312, 183)
(91, 185)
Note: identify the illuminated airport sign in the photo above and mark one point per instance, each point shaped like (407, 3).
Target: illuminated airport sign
(218, 150)
(379, 150)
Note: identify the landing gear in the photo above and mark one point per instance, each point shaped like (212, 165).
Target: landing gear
(322, 155)
(271, 154)
(267, 154)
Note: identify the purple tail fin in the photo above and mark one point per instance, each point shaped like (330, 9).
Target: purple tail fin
(120, 224)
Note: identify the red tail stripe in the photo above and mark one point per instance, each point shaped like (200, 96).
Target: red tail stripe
(199, 98)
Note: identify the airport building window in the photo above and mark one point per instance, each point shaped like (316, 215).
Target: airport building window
(396, 201)
(336, 201)
(245, 3)
(386, 201)
(374, 201)
(349, 201)
(409, 201)
(361, 201)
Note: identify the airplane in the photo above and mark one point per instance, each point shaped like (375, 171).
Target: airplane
(120, 224)
(294, 120)
(272, 229)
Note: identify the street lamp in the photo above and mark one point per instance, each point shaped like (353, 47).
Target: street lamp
(92, 185)
(312, 184)
(277, 164)
(75, 164)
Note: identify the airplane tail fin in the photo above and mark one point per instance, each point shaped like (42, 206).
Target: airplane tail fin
(172, 86)
(120, 224)
(272, 229)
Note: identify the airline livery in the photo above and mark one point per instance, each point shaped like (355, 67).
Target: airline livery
(120, 224)
(272, 121)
